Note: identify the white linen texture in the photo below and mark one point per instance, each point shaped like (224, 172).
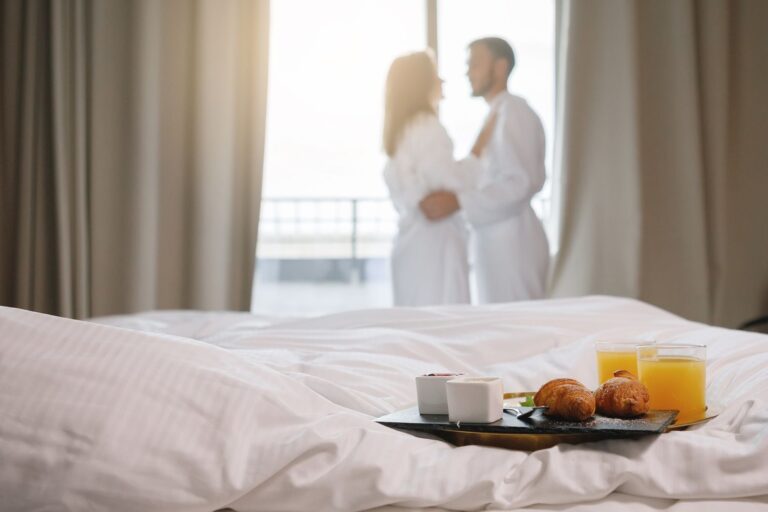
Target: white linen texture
(204, 411)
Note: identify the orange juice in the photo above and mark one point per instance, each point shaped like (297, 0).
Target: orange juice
(675, 382)
(611, 361)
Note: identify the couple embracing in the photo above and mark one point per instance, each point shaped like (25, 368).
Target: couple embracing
(478, 206)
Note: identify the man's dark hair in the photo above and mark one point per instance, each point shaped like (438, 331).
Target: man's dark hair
(499, 48)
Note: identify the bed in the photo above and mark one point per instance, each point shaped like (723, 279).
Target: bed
(192, 411)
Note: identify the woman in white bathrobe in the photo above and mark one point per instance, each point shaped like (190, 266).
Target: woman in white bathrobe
(429, 259)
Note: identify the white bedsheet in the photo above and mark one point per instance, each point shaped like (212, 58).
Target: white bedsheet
(280, 417)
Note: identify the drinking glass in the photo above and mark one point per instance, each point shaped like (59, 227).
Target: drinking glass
(617, 355)
(675, 375)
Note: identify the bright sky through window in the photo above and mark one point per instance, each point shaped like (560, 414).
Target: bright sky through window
(328, 64)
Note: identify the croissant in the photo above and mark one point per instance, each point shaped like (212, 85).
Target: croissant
(567, 399)
(623, 396)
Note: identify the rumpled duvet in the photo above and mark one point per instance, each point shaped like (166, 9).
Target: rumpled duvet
(202, 411)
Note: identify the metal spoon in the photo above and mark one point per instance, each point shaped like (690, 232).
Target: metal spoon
(527, 414)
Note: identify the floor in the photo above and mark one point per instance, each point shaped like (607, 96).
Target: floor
(311, 299)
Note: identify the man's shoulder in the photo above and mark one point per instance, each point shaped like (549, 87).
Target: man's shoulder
(516, 107)
(516, 103)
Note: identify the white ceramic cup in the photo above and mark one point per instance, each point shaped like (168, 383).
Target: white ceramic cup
(475, 399)
(430, 392)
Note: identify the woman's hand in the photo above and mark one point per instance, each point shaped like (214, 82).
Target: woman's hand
(485, 135)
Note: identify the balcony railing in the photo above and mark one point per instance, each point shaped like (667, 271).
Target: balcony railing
(319, 247)
(326, 228)
(334, 228)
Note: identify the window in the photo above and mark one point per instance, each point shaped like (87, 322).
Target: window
(326, 220)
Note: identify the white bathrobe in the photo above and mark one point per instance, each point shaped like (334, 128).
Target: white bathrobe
(429, 259)
(508, 244)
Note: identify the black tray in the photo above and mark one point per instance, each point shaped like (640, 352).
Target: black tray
(654, 422)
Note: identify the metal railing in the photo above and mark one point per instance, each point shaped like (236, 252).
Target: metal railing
(301, 227)
(334, 228)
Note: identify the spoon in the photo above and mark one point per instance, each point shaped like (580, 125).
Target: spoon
(527, 414)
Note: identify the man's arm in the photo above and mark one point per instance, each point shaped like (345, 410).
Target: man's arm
(519, 155)
(441, 204)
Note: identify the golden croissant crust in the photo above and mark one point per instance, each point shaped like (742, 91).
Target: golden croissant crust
(568, 399)
(623, 396)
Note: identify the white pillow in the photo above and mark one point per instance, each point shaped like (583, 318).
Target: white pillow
(95, 417)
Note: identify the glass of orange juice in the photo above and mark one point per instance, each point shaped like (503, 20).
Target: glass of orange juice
(675, 375)
(617, 355)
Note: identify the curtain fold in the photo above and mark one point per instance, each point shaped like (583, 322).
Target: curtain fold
(70, 148)
(152, 166)
(28, 216)
(662, 110)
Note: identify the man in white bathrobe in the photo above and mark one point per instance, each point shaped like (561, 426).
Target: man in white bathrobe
(508, 245)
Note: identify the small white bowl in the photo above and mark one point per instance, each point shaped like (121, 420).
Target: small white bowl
(430, 392)
(475, 399)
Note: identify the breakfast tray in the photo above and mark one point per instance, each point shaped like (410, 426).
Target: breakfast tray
(535, 433)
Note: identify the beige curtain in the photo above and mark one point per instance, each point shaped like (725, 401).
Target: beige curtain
(663, 119)
(156, 149)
